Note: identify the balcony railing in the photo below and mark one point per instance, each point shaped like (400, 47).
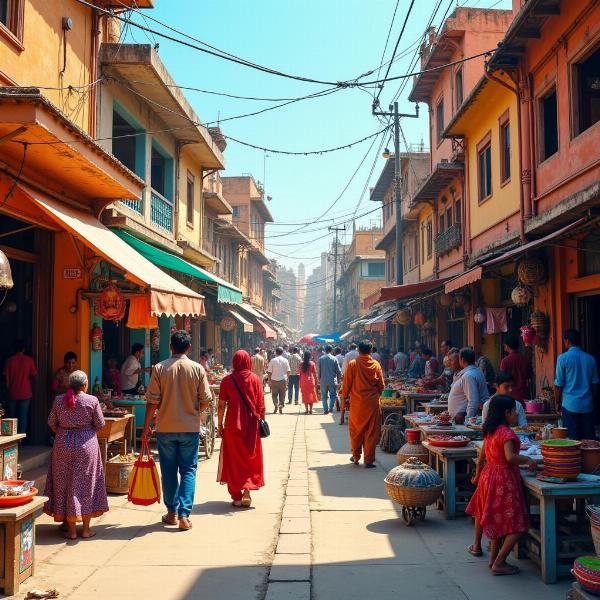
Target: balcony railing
(136, 205)
(448, 240)
(161, 211)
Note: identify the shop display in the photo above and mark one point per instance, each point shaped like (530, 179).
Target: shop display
(590, 456)
(562, 458)
(534, 406)
(415, 486)
(14, 492)
(479, 316)
(586, 569)
(111, 304)
(448, 441)
(413, 447)
(9, 426)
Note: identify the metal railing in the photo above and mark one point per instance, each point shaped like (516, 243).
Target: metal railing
(448, 240)
(136, 205)
(161, 211)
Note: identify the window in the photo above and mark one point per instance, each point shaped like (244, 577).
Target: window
(586, 80)
(458, 87)
(422, 244)
(373, 269)
(190, 198)
(484, 164)
(449, 217)
(11, 20)
(548, 125)
(439, 119)
(442, 224)
(457, 211)
(236, 211)
(415, 241)
(505, 151)
(429, 237)
(158, 172)
(127, 147)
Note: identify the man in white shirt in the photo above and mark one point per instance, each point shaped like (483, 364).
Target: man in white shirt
(278, 372)
(131, 370)
(350, 355)
(469, 390)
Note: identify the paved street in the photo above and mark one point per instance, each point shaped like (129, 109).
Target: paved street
(326, 531)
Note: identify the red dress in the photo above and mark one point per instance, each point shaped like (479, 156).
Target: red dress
(308, 384)
(241, 459)
(499, 500)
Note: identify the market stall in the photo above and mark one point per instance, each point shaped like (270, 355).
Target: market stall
(9, 454)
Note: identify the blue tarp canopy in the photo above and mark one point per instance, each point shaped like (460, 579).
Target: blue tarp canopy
(329, 338)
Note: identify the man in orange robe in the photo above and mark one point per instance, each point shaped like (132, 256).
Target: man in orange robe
(363, 384)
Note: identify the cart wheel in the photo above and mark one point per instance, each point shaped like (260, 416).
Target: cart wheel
(422, 512)
(408, 516)
(209, 438)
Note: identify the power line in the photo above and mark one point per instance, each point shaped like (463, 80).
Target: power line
(387, 39)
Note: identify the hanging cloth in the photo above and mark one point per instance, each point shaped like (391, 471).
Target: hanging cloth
(139, 314)
(496, 320)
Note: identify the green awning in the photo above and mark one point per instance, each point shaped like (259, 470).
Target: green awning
(226, 292)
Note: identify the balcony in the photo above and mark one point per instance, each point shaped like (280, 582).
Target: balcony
(161, 211)
(136, 205)
(448, 240)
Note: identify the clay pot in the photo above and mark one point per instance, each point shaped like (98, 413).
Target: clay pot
(413, 447)
(559, 433)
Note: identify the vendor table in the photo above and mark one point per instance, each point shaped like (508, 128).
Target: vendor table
(9, 455)
(414, 398)
(136, 407)
(434, 408)
(542, 418)
(456, 430)
(17, 540)
(457, 489)
(115, 429)
(554, 538)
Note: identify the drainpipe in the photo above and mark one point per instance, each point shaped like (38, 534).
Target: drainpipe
(178, 149)
(466, 212)
(532, 145)
(524, 188)
(92, 118)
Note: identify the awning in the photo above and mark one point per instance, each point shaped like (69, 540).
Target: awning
(251, 310)
(269, 333)
(476, 273)
(248, 327)
(346, 335)
(167, 295)
(408, 290)
(226, 292)
(379, 323)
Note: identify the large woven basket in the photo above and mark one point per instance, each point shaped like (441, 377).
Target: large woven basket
(413, 484)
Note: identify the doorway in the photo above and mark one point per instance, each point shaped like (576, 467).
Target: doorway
(587, 320)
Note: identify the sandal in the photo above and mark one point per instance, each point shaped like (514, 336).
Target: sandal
(476, 553)
(169, 520)
(246, 501)
(89, 536)
(185, 527)
(510, 570)
(237, 503)
(354, 460)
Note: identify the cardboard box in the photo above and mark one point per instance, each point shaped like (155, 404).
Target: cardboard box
(9, 427)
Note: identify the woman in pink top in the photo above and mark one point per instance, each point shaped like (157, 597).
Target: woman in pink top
(19, 370)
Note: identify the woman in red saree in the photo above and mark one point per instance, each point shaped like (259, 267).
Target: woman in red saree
(308, 383)
(241, 406)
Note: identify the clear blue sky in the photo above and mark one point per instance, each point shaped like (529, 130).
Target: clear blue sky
(334, 40)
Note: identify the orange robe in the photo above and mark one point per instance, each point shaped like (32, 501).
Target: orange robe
(363, 384)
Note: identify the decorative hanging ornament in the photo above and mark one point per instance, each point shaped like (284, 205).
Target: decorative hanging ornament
(227, 323)
(531, 271)
(527, 334)
(6, 280)
(445, 300)
(96, 336)
(110, 305)
(539, 321)
(402, 317)
(155, 340)
(460, 300)
(419, 318)
(520, 295)
(479, 316)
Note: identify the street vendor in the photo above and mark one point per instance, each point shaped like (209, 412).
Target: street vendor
(417, 367)
(432, 366)
(469, 390)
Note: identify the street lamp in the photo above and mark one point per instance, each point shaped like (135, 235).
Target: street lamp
(386, 153)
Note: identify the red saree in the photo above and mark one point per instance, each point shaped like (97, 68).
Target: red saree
(241, 460)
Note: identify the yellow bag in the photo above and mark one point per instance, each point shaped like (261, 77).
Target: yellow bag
(144, 483)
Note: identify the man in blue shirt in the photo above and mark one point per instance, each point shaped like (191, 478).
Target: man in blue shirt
(575, 386)
(329, 374)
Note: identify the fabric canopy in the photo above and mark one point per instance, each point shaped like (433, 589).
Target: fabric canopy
(269, 333)
(167, 295)
(346, 335)
(248, 327)
(226, 292)
(408, 290)
(379, 322)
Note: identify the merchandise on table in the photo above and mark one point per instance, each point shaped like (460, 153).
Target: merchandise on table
(14, 492)
(562, 458)
(9, 426)
(413, 447)
(449, 441)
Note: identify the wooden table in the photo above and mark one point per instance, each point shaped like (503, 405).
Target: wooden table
(549, 538)
(414, 398)
(456, 430)
(542, 418)
(116, 428)
(456, 493)
(17, 540)
(434, 408)
(9, 455)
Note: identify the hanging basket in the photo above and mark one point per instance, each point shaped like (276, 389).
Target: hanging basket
(521, 296)
(531, 271)
(419, 318)
(539, 321)
(402, 317)
(445, 300)
(460, 300)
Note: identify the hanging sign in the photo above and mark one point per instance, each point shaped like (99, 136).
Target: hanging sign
(227, 323)
(72, 273)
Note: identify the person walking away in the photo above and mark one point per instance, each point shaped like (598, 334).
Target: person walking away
(575, 387)
(308, 383)
(469, 389)
(75, 484)
(417, 366)
(329, 373)
(484, 364)
(60, 381)
(295, 360)
(400, 361)
(363, 384)
(350, 355)
(498, 504)
(278, 372)
(132, 369)
(259, 366)
(177, 394)
(376, 356)
(19, 371)
(241, 407)
(519, 367)
(504, 386)
(337, 353)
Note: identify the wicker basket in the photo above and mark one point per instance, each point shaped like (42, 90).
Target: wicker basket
(593, 512)
(531, 271)
(392, 436)
(117, 475)
(413, 496)
(413, 484)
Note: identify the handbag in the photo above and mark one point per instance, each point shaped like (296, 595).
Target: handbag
(263, 426)
(144, 484)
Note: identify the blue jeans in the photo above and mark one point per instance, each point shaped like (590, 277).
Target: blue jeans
(332, 389)
(18, 409)
(293, 387)
(580, 426)
(178, 452)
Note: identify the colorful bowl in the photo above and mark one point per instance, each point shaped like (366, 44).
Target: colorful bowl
(586, 569)
(534, 408)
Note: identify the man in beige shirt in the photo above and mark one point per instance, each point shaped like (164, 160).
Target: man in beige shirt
(259, 365)
(178, 392)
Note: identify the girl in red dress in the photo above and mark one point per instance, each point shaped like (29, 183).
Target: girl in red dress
(498, 504)
(308, 383)
(241, 406)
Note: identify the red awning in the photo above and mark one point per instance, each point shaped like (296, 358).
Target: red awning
(269, 333)
(475, 274)
(408, 290)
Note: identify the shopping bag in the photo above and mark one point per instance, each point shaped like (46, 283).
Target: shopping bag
(144, 483)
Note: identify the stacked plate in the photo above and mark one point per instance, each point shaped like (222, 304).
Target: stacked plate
(562, 458)
(586, 570)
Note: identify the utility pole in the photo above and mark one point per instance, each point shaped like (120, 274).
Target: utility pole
(335, 263)
(393, 112)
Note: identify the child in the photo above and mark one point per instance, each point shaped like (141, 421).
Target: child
(504, 384)
(498, 504)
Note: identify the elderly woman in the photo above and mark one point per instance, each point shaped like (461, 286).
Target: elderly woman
(241, 406)
(75, 484)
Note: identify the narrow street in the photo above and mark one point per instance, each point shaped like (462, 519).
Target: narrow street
(321, 528)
